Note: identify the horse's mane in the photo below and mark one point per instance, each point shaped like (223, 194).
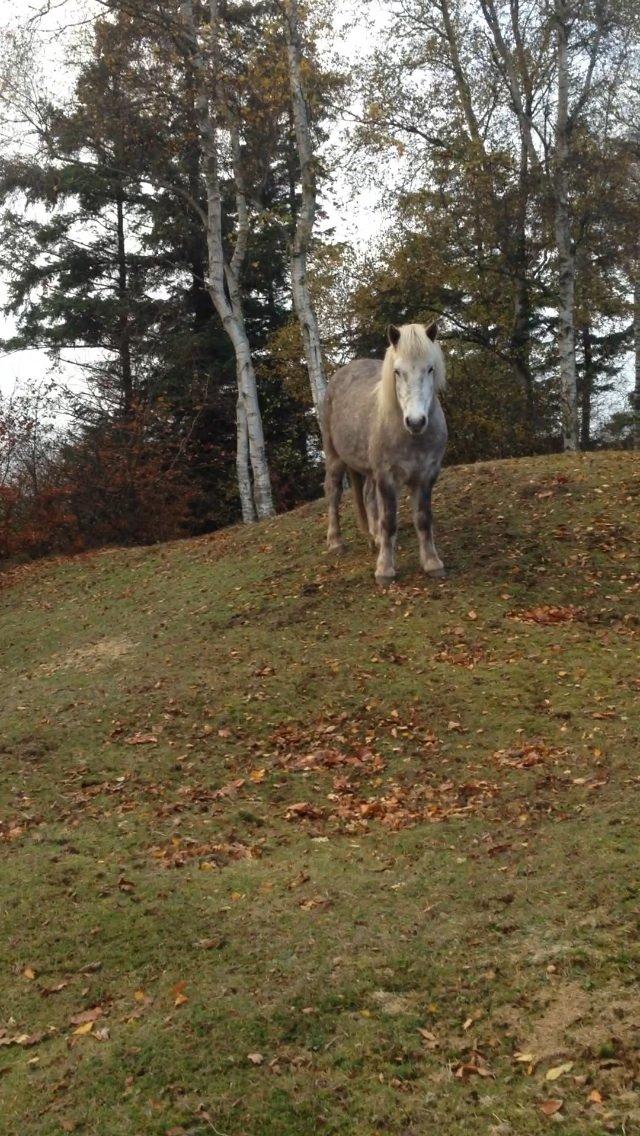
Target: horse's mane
(415, 346)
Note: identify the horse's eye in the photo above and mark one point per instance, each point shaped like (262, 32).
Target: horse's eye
(430, 371)
(396, 373)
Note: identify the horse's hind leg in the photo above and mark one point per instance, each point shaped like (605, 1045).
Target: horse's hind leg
(333, 485)
(423, 521)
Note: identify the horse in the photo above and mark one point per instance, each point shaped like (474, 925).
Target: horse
(382, 423)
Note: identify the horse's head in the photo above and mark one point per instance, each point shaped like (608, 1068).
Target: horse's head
(418, 372)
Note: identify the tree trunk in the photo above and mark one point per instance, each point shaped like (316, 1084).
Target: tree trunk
(230, 313)
(124, 340)
(242, 465)
(636, 338)
(306, 216)
(564, 244)
(521, 329)
(586, 389)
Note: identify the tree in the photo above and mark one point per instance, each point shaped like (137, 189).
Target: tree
(307, 212)
(224, 273)
(477, 89)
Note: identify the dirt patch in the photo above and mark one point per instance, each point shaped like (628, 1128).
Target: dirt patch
(91, 658)
(391, 1003)
(548, 1039)
(615, 1018)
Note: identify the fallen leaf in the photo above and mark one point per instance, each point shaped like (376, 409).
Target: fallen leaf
(86, 1016)
(29, 973)
(178, 992)
(550, 1107)
(558, 1071)
(85, 1028)
(257, 775)
(47, 990)
(102, 1034)
(255, 1058)
(141, 739)
(302, 809)
(595, 1097)
(472, 615)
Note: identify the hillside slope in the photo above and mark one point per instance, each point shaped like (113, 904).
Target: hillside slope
(285, 854)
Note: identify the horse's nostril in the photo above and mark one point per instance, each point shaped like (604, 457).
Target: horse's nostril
(416, 424)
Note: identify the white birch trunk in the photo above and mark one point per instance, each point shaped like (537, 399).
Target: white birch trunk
(231, 316)
(636, 340)
(564, 244)
(306, 216)
(243, 468)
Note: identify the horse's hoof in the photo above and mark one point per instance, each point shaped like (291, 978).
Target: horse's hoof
(436, 573)
(384, 581)
(337, 547)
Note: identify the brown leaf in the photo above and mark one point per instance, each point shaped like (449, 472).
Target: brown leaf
(302, 878)
(46, 991)
(429, 1039)
(550, 1107)
(255, 1058)
(178, 992)
(141, 739)
(29, 973)
(228, 790)
(86, 1016)
(595, 1097)
(302, 810)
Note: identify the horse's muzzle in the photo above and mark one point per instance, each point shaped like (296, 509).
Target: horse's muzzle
(416, 425)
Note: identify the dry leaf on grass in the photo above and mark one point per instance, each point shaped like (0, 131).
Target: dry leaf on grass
(86, 1016)
(550, 1107)
(558, 1071)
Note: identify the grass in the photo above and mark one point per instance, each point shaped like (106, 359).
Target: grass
(283, 854)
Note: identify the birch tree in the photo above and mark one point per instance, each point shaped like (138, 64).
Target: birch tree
(572, 41)
(304, 222)
(224, 274)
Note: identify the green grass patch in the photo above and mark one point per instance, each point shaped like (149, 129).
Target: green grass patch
(283, 853)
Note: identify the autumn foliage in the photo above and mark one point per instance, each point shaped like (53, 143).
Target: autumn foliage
(124, 482)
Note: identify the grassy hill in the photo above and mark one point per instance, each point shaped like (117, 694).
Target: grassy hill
(283, 854)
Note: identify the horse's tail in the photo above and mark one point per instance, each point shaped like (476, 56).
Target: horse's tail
(357, 491)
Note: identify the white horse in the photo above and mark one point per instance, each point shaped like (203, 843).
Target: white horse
(383, 423)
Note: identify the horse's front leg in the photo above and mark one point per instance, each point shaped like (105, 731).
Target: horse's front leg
(387, 502)
(371, 506)
(423, 521)
(333, 486)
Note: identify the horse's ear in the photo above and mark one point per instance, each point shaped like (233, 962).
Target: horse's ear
(394, 334)
(432, 330)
